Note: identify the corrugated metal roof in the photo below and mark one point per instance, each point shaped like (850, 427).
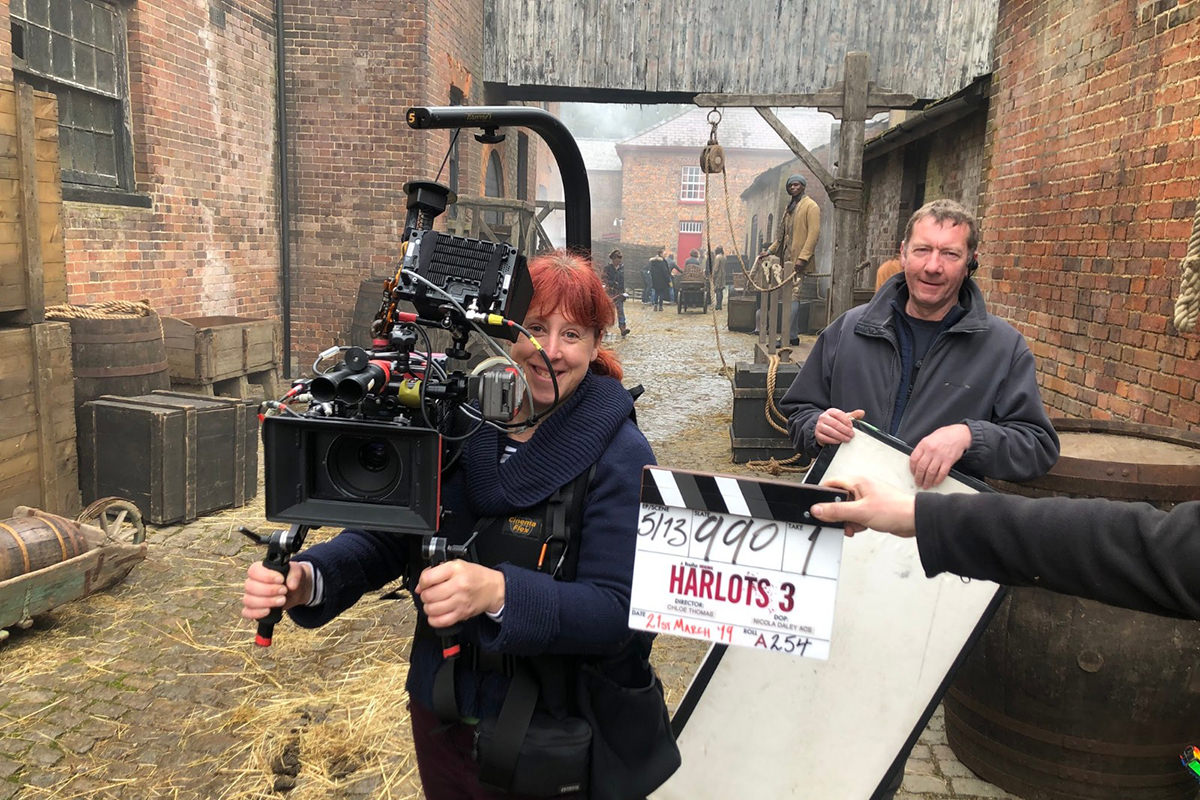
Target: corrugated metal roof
(739, 128)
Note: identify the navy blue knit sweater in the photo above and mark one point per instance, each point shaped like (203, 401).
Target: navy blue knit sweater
(541, 615)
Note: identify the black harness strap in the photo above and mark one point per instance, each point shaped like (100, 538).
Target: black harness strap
(497, 765)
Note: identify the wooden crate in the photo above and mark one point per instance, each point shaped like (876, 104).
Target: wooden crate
(203, 350)
(38, 465)
(177, 455)
(32, 256)
(145, 454)
(237, 442)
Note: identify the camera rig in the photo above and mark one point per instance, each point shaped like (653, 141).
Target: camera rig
(384, 422)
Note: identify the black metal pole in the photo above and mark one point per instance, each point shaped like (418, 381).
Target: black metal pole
(285, 221)
(562, 145)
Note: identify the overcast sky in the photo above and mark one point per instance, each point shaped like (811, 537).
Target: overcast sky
(613, 120)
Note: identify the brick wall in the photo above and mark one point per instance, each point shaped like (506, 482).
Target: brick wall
(650, 204)
(881, 198)
(354, 71)
(1092, 180)
(203, 119)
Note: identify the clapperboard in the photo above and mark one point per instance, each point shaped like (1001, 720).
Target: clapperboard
(735, 560)
(836, 727)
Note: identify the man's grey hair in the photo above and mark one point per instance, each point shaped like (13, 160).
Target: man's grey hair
(943, 211)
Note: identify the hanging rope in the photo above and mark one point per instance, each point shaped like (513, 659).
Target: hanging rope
(710, 163)
(1187, 307)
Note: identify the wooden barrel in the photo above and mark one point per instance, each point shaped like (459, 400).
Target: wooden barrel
(121, 355)
(28, 544)
(370, 296)
(1070, 699)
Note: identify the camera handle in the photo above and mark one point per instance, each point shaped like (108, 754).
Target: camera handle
(438, 550)
(281, 546)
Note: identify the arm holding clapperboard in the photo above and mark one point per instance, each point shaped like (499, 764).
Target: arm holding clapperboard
(1125, 554)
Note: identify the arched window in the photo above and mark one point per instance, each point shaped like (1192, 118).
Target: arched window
(493, 186)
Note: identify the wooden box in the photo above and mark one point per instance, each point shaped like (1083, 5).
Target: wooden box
(37, 420)
(176, 455)
(32, 257)
(145, 454)
(201, 350)
(244, 443)
(752, 436)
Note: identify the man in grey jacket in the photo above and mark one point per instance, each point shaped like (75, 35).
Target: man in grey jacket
(926, 362)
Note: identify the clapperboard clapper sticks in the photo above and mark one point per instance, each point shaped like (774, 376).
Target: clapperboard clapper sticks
(759, 724)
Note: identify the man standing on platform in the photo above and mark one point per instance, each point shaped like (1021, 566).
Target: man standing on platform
(798, 232)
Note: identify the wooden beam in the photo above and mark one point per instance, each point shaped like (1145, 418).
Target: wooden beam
(802, 152)
(35, 281)
(830, 98)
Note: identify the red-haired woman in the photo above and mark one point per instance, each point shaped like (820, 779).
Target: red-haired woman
(575, 474)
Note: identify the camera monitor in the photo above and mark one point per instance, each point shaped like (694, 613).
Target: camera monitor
(350, 473)
(491, 276)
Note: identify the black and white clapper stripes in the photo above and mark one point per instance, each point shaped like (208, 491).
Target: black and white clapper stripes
(728, 494)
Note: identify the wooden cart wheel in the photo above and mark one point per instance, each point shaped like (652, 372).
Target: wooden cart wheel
(117, 517)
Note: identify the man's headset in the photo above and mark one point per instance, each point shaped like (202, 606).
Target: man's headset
(972, 265)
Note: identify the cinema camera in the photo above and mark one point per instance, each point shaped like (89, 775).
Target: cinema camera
(384, 423)
(380, 424)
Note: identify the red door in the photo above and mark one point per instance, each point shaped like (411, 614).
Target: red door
(691, 237)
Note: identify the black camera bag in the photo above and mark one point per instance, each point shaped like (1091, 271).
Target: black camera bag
(532, 752)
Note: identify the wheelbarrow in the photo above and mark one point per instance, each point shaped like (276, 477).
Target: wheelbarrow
(57, 560)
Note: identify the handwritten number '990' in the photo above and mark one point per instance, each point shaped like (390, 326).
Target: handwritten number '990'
(673, 531)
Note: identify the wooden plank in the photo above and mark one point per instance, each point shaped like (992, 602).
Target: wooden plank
(924, 48)
(35, 311)
(816, 167)
(45, 339)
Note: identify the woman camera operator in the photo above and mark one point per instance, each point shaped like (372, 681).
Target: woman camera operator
(524, 596)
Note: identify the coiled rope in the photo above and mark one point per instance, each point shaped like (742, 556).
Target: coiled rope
(110, 309)
(1187, 306)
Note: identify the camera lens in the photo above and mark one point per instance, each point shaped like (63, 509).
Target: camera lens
(364, 467)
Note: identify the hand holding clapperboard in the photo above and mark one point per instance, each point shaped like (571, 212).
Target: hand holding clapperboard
(735, 560)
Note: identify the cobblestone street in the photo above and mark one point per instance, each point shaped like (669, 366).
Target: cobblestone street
(154, 689)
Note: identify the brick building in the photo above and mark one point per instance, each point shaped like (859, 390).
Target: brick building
(185, 185)
(663, 189)
(1092, 181)
(605, 181)
(1081, 155)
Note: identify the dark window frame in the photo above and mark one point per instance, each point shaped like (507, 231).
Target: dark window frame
(94, 104)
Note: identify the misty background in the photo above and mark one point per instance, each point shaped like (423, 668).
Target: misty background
(614, 121)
